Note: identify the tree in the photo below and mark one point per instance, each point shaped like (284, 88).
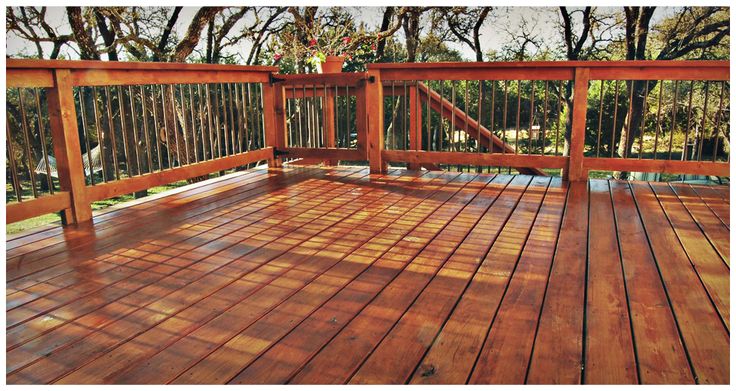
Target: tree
(693, 34)
(465, 24)
(30, 24)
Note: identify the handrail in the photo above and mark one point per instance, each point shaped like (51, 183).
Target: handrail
(253, 123)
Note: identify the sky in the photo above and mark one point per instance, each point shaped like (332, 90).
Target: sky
(492, 36)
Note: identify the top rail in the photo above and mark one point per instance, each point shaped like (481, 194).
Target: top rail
(556, 70)
(39, 73)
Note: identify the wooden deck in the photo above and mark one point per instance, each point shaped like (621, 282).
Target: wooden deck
(313, 275)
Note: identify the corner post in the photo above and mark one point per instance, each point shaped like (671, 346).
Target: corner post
(274, 120)
(329, 122)
(374, 122)
(575, 170)
(67, 149)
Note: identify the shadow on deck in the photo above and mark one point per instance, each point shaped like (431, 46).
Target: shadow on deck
(331, 275)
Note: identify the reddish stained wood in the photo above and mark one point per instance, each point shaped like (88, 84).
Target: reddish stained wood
(609, 345)
(558, 347)
(449, 226)
(18, 211)
(462, 158)
(712, 270)
(395, 359)
(662, 166)
(184, 353)
(575, 170)
(504, 356)
(717, 233)
(702, 330)
(374, 122)
(660, 353)
(360, 337)
(232, 357)
(715, 203)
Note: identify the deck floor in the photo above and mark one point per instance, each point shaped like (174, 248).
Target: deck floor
(315, 275)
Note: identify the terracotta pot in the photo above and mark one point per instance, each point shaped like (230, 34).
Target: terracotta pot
(333, 64)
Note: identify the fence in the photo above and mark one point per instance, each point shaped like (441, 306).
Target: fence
(81, 131)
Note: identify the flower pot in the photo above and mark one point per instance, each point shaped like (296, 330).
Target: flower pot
(333, 64)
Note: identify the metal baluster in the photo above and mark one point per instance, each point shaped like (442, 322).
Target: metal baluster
(559, 118)
(600, 122)
(156, 129)
(615, 116)
(194, 121)
(145, 129)
(493, 115)
(124, 131)
(131, 97)
(505, 114)
(113, 138)
(453, 143)
(27, 140)
(718, 121)
(85, 132)
(628, 120)
(531, 118)
(704, 122)
(169, 155)
(44, 149)
(674, 118)
(659, 118)
(643, 120)
(544, 121)
(100, 134)
(11, 161)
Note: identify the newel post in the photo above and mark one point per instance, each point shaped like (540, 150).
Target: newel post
(274, 120)
(67, 149)
(575, 170)
(374, 122)
(415, 124)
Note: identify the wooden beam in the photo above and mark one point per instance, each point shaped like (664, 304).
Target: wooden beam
(137, 183)
(321, 154)
(64, 132)
(575, 171)
(374, 123)
(662, 166)
(112, 77)
(29, 78)
(321, 79)
(328, 120)
(274, 119)
(18, 211)
(151, 66)
(472, 158)
(660, 73)
(454, 73)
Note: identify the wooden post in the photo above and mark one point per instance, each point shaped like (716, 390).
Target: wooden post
(328, 116)
(67, 150)
(415, 124)
(575, 170)
(274, 120)
(374, 122)
(360, 123)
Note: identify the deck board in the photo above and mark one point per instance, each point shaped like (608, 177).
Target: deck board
(332, 275)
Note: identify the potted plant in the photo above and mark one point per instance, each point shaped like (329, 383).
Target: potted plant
(324, 51)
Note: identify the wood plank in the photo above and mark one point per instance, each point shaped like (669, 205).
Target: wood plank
(660, 353)
(557, 357)
(377, 289)
(704, 334)
(165, 365)
(127, 77)
(324, 153)
(107, 190)
(28, 78)
(717, 233)
(359, 338)
(716, 204)
(147, 65)
(713, 272)
(483, 159)
(54, 319)
(504, 356)
(288, 232)
(724, 191)
(609, 345)
(231, 358)
(661, 166)
(480, 295)
(26, 271)
(17, 211)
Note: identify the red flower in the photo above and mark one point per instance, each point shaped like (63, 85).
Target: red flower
(374, 47)
(277, 57)
(346, 40)
(313, 42)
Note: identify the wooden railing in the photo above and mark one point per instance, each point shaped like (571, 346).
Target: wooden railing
(117, 128)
